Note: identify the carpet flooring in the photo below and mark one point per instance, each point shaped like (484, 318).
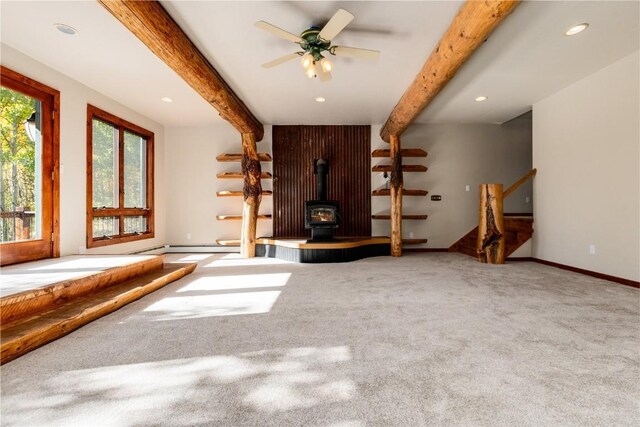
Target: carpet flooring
(427, 339)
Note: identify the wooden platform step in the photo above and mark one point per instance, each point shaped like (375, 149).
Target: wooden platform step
(237, 157)
(403, 216)
(387, 192)
(228, 242)
(238, 217)
(28, 333)
(405, 168)
(228, 193)
(413, 241)
(405, 152)
(238, 175)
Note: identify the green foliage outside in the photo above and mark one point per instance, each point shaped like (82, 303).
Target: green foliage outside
(17, 162)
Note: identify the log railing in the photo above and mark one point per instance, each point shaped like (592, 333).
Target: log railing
(491, 238)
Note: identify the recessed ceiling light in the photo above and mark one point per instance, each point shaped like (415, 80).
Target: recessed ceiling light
(66, 29)
(577, 29)
(320, 99)
(166, 99)
(481, 98)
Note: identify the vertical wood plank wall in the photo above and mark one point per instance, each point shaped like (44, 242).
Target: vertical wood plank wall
(348, 149)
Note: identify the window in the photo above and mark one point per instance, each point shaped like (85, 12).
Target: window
(120, 180)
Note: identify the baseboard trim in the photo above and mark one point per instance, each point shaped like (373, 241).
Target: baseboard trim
(595, 274)
(520, 258)
(426, 250)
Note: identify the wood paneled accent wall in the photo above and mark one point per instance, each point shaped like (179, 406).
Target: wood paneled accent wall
(348, 149)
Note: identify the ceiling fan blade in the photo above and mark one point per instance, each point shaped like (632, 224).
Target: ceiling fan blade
(336, 24)
(278, 32)
(281, 60)
(354, 52)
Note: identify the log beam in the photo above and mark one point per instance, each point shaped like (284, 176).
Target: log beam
(491, 239)
(251, 171)
(151, 23)
(397, 183)
(474, 22)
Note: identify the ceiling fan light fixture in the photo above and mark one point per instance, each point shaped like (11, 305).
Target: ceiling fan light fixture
(326, 65)
(307, 60)
(311, 72)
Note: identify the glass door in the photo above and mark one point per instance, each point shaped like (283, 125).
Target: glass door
(27, 169)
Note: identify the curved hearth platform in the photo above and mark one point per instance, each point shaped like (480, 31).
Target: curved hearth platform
(341, 250)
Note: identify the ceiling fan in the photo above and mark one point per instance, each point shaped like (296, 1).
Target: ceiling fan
(315, 42)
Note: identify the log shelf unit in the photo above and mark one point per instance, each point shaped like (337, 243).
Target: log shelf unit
(414, 217)
(240, 193)
(237, 157)
(238, 175)
(238, 217)
(404, 152)
(405, 168)
(387, 192)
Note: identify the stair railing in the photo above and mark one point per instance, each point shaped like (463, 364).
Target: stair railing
(491, 240)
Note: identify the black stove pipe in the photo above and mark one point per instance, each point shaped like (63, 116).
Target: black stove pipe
(322, 170)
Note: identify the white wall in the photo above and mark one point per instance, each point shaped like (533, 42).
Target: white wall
(586, 141)
(458, 155)
(74, 98)
(192, 184)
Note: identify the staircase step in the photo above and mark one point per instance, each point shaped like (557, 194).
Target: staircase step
(404, 152)
(387, 192)
(26, 334)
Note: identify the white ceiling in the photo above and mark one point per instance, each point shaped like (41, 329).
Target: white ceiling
(525, 60)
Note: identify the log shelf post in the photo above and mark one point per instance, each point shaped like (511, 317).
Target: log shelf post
(491, 239)
(396, 196)
(252, 191)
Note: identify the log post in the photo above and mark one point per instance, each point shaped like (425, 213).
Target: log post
(396, 196)
(252, 191)
(491, 241)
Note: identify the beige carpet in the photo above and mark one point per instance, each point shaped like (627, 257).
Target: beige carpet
(428, 339)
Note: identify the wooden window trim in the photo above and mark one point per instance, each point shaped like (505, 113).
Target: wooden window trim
(120, 211)
(36, 89)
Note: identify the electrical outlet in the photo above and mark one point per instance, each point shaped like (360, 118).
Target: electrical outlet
(527, 199)
(188, 236)
(411, 234)
(467, 188)
(592, 249)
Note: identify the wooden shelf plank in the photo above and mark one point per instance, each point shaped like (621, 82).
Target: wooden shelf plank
(413, 241)
(228, 242)
(382, 216)
(237, 157)
(387, 192)
(238, 175)
(405, 152)
(229, 193)
(405, 168)
(238, 217)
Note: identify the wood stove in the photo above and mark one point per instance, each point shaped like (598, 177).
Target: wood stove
(321, 215)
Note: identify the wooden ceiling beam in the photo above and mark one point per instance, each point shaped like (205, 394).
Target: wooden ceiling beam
(148, 21)
(474, 22)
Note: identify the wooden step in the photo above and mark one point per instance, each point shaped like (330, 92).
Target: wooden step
(387, 192)
(238, 217)
(26, 303)
(405, 152)
(405, 168)
(26, 334)
(228, 242)
(379, 216)
(413, 241)
(237, 157)
(227, 193)
(238, 175)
